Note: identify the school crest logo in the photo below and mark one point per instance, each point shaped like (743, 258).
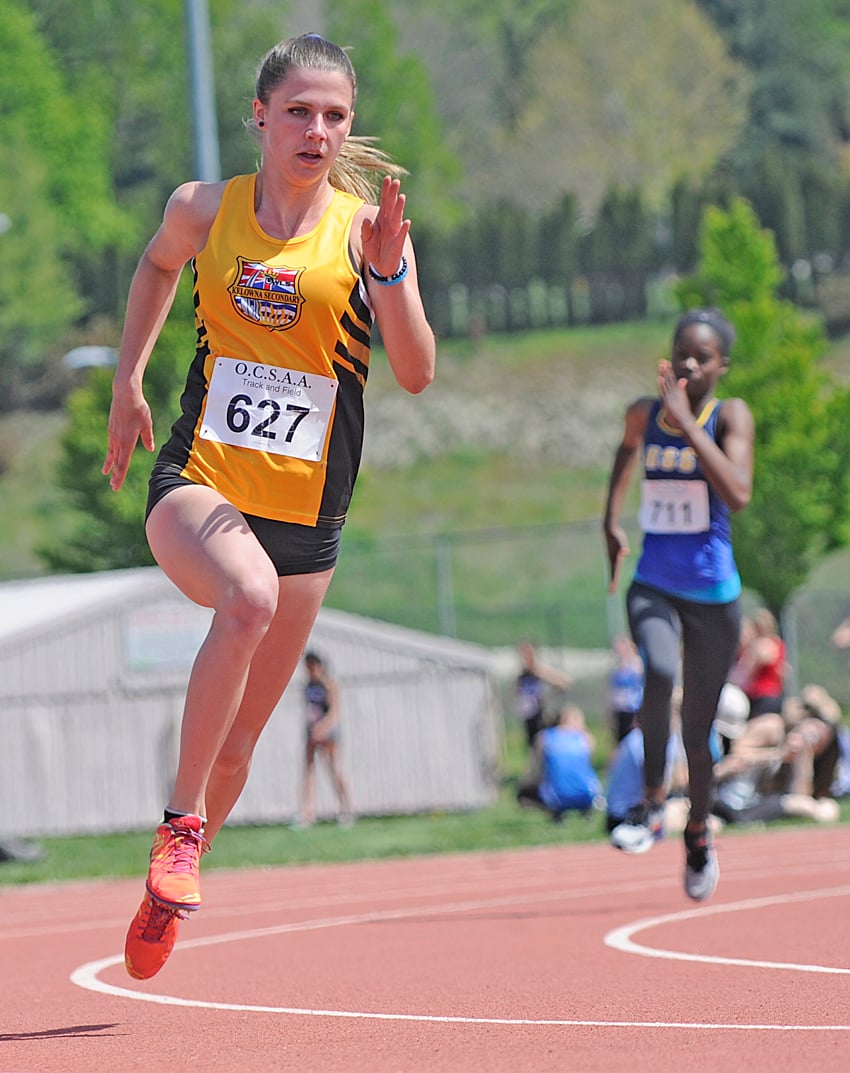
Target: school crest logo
(267, 295)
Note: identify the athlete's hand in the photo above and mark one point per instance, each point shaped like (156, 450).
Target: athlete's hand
(617, 544)
(129, 420)
(383, 236)
(674, 396)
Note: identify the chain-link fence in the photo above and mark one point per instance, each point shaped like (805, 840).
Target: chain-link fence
(548, 583)
(490, 586)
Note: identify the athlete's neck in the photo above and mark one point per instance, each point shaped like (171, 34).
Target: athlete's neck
(285, 213)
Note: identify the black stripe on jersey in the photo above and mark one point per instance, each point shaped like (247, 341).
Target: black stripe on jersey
(344, 449)
(361, 334)
(360, 306)
(176, 449)
(360, 367)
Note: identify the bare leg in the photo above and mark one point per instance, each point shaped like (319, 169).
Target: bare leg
(337, 779)
(205, 547)
(822, 810)
(308, 786)
(275, 661)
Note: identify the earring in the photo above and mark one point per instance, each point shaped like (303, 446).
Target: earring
(261, 122)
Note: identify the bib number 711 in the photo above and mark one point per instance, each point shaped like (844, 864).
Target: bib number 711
(674, 507)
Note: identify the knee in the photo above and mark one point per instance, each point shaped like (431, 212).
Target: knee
(660, 679)
(797, 747)
(234, 758)
(249, 607)
(697, 749)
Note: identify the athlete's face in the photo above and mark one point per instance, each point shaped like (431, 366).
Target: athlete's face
(698, 359)
(306, 120)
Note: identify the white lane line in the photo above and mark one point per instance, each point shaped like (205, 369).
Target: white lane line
(87, 975)
(622, 938)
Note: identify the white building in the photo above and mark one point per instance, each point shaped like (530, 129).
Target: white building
(93, 669)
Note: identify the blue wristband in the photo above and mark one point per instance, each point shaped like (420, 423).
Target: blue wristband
(389, 281)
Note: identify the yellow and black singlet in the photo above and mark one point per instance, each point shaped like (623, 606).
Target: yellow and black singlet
(272, 411)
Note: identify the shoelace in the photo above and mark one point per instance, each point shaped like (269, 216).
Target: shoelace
(642, 815)
(157, 920)
(637, 815)
(186, 848)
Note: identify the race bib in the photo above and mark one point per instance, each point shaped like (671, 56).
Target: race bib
(674, 507)
(266, 408)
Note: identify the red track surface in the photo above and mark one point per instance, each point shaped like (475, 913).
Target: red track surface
(573, 959)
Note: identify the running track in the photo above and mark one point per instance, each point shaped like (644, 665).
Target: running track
(572, 959)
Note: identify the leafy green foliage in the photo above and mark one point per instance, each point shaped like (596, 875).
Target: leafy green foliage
(396, 103)
(51, 199)
(799, 506)
(104, 530)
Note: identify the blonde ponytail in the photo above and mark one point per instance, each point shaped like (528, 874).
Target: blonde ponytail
(361, 166)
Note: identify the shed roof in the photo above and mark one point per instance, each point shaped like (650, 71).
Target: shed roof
(32, 605)
(36, 602)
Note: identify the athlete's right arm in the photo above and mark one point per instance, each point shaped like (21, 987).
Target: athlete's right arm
(616, 540)
(181, 235)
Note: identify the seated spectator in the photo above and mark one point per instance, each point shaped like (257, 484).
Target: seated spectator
(562, 777)
(625, 784)
(730, 719)
(812, 721)
(534, 683)
(625, 787)
(625, 779)
(774, 767)
(625, 686)
(762, 665)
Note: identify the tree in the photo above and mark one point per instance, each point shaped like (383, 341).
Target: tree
(602, 99)
(104, 530)
(396, 104)
(125, 65)
(800, 506)
(515, 30)
(54, 201)
(798, 125)
(616, 257)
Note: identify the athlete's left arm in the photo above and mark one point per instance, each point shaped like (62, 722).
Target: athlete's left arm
(405, 332)
(727, 464)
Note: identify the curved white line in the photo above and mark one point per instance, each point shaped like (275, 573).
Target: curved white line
(86, 976)
(621, 938)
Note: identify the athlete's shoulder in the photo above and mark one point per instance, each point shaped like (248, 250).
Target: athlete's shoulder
(189, 215)
(734, 414)
(639, 410)
(196, 200)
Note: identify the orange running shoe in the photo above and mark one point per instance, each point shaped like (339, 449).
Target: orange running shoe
(175, 862)
(150, 938)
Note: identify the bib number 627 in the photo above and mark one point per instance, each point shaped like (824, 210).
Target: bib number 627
(266, 408)
(239, 418)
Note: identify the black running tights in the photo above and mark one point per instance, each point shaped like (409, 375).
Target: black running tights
(691, 643)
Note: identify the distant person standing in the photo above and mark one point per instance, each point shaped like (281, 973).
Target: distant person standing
(684, 601)
(321, 695)
(625, 687)
(534, 684)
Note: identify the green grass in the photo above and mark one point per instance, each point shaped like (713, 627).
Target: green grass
(502, 826)
(464, 491)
